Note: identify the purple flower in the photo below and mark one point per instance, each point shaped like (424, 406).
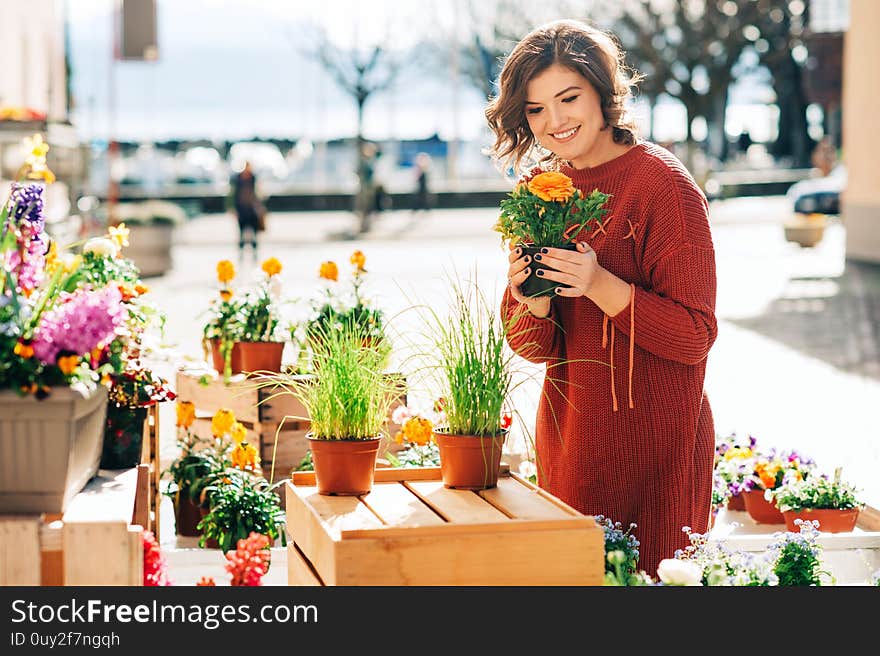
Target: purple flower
(26, 203)
(79, 322)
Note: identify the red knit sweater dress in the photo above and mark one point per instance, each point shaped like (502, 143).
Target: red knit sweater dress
(634, 441)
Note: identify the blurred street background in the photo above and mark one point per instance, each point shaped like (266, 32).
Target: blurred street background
(150, 106)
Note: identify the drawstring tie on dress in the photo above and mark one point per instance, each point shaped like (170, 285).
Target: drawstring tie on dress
(632, 341)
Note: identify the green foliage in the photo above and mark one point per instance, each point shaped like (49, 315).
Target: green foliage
(416, 455)
(527, 219)
(347, 396)
(258, 316)
(199, 464)
(621, 553)
(239, 504)
(816, 493)
(798, 556)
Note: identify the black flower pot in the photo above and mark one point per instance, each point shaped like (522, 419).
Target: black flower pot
(123, 437)
(535, 286)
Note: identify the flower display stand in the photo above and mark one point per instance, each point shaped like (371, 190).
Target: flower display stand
(101, 526)
(411, 530)
(260, 414)
(51, 448)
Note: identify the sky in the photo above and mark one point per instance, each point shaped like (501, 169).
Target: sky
(232, 69)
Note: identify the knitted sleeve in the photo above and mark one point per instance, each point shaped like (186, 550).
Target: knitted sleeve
(536, 340)
(674, 313)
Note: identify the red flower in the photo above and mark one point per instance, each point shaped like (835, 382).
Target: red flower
(250, 560)
(155, 567)
(506, 420)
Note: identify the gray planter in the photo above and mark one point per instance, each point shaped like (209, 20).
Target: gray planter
(150, 247)
(50, 448)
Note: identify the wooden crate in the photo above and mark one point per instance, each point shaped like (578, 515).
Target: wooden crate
(97, 541)
(261, 412)
(410, 530)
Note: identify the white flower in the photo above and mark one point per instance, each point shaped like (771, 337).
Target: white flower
(401, 414)
(101, 247)
(674, 571)
(527, 468)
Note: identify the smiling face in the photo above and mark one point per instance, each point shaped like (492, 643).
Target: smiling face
(565, 115)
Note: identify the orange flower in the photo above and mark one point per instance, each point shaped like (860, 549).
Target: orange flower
(222, 422)
(552, 185)
(206, 581)
(238, 432)
(68, 363)
(140, 288)
(126, 292)
(329, 271)
(418, 430)
(225, 271)
(23, 349)
(186, 413)
(358, 259)
(271, 266)
(225, 294)
(244, 456)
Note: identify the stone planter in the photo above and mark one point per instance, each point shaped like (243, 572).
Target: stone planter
(150, 247)
(51, 448)
(806, 230)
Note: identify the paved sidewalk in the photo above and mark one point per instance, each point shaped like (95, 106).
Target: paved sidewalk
(796, 362)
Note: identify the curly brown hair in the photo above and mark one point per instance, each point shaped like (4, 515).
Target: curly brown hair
(587, 50)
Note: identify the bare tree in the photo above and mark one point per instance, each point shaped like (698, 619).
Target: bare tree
(360, 73)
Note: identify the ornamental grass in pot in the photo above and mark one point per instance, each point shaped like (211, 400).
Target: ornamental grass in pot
(834, 503)
(347, 399)
(545, 210)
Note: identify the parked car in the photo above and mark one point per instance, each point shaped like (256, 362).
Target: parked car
(819, 195)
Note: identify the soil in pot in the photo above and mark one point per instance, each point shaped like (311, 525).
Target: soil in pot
(535, 286)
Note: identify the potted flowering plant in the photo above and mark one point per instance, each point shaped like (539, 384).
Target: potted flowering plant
(56, 325)
(546, 210)
(347, 400)
(335, 307)
(417, 434)
(734, 465)
(834, 503)
(223, 329)
(771, 470)
(257, 340)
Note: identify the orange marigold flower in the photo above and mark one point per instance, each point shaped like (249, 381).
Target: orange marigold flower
(271, 266)
(127, 292)
(222, 422)
(245, 456)
(68, 363)
(329, 271)
(552, 185)
(418, 430)
(186, 413)
(358, 259)
(23, 349)
(206, 581)
(225, 294)
(141, 288)
(238, 432)
(225, 271)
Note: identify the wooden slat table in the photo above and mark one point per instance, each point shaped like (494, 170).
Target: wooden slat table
(411, 530)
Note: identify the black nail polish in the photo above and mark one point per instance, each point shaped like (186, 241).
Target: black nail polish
(526, 271)
(526, 259)
(538, 258)
(539, 272)
(545, 251)
(519, 251)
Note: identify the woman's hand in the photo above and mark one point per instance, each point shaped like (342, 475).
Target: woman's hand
(578, 269)
(517, 272)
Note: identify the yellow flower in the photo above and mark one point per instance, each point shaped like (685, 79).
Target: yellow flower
(552, 185)
(222, 422)
(239, 432)
(186, 413)
(225, 271)
(225, 294)
(272, 266)
(358, 259)
(245, 456)
(119, 235)
(738, 452)
(418, 430)
(35, 151)
(329, 271)
(52, 256)
(68, 363)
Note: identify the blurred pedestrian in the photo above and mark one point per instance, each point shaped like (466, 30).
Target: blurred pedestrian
(824, 156)
(744, 142)
(423, 200)
(636, 317)
(248, 209)
(367, 196)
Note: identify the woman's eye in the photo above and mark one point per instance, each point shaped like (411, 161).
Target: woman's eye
(569, 99)
(533, 110)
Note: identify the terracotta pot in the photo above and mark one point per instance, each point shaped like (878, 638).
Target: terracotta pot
(187, 515)
(761, 510)
(260, 356)
(737, 502)
(533, 285)
(344, 467)
(234, 359)
(469, 462)
(831, 520)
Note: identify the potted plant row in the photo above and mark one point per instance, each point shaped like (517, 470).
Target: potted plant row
(834, 503)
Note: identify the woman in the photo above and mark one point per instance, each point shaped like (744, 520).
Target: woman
(624, 428)
(247, 209)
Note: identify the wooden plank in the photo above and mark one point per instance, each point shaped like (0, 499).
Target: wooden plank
(457, 506)
(238, 395)
(115, 545)
(382, 475)
(577, 558)
(140, 515)
(20, 549)
(52, 558)
(516, 500)
(397, 506)
(299, 570)
(869, 519)
(448, 531)
(544, 493)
